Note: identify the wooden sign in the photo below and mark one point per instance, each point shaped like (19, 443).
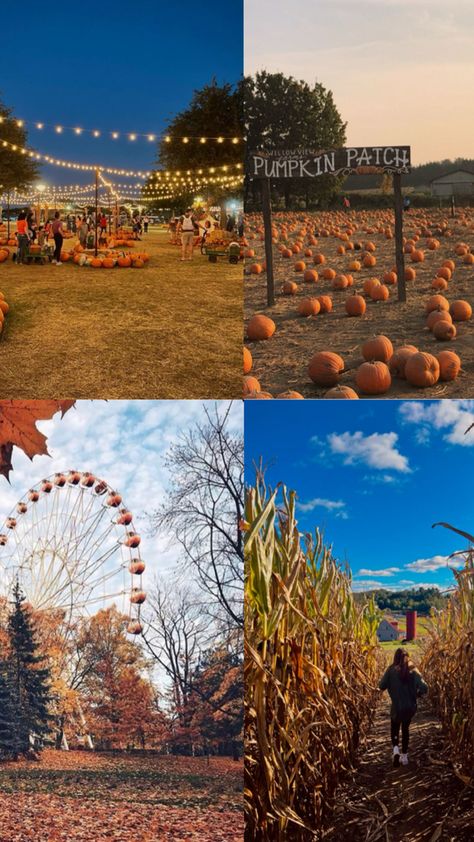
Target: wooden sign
(307, 163)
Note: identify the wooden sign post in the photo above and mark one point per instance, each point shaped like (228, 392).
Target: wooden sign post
(307, 163)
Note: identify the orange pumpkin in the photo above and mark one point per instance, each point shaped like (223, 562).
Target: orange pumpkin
(449, 365)
(256, 269)
(460, 310)
(96, 262)
(377, 348)
(260, 328)
(380, 292)
(325, 367)
(422, 370)
(342, 393)
(319, 258)
(325, 302)
(373, 378)
(397, 363)
(390, 278)
(443, 330)
(309, 307)
(251, 384)
(300, 266)
(248, 361)
(436, 302)
(436, 315)
(4, 307)
(329, 274)
(124, 261)
(355, 305)
(310, 276)
(290, 396)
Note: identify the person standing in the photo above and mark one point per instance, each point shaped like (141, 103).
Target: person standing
(57, 231)
(187, 235)
(145, 224)
(83, 232)
(22, 237)
(404, 684)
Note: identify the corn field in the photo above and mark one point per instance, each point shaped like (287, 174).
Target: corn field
(449, 665)
(311, 666)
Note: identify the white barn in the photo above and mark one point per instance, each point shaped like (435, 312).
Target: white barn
(386, 631)
(454, 183)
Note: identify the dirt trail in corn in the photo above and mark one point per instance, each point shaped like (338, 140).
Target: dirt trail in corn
(422, 802)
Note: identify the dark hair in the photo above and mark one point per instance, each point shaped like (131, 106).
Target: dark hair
(402, 663)
(56, 215)
(22, 215)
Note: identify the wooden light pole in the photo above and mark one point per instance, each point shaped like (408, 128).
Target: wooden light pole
(96, 210)
(267, 224)
(399, 255)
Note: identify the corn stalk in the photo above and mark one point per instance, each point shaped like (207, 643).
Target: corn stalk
(448, 662)
(311, 663)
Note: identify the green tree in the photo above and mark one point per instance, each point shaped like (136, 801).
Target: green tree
(27, 680)
(16, 171)
(6, 713)
(214, 111)
(284, 113)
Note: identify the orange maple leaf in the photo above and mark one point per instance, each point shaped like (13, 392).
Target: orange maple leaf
(18, 427)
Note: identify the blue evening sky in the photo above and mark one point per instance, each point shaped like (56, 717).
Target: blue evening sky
(374, 475)
(126, 67)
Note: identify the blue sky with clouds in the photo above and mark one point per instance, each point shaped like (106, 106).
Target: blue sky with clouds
(374, 476)
(124, 443)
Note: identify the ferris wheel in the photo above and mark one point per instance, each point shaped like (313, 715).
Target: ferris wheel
(71, 544)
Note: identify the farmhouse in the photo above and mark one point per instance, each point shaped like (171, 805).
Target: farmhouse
(454, 183)
(388, 630)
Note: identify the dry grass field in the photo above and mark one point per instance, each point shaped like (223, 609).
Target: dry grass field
(281, 363)
(169, 330)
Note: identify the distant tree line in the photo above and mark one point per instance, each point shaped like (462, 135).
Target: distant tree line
(416, 599)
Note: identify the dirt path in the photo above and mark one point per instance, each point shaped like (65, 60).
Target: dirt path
(422, 802)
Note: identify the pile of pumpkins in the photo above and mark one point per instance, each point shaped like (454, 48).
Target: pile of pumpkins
(4, 308)
(107, 259)
(372, 377)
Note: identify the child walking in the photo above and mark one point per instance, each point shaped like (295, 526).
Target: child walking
(404, 684)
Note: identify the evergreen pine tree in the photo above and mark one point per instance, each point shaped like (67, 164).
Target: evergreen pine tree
(27, 679)
(6, 713)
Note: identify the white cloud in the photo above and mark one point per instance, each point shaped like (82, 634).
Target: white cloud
(378, 450)
(316, 502)
(124, 443)
(436, 562)
(369, 585)
(451, 417)
(388, 571)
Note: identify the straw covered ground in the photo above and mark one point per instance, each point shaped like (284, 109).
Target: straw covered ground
(281, 363)
(170, 330)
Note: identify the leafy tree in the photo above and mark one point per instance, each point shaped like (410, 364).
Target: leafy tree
(16, 171)
(6, 712)
(25, 682)
(217, 698)
(214, 111)
(284, 113)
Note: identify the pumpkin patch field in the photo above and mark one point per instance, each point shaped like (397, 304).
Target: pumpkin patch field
(337, 329)
(165, 329)
(80, 796)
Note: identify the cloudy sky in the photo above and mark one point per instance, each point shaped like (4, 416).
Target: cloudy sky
(374, 477)
(401, 70)
(122, 442)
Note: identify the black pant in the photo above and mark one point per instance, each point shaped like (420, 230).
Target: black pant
(395, 732)
(58, 244)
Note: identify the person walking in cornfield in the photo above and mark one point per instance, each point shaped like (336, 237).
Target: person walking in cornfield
(404, 685)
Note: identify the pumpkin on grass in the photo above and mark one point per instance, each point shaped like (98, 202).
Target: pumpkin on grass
(259, 396)
(260, 328)
(437, 315)
(373, 378)
(325, 367)
(444, 330)
(461, 311)
(436, 302)
(325, 302)
(422, 370)
(289, 288)
(290, 396)
(310, 276)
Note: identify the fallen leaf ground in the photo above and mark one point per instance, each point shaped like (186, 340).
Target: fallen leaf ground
(422, 802)
(281, 362)
(171, 330)
(79, 797)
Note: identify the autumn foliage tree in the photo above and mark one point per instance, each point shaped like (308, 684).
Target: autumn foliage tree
(16, 171)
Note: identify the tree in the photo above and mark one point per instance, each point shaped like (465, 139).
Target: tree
(6, 713)
(214, 111)
(218, 691)
(283, 113)
(16, 171)
(204, 508)
(26, 681)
